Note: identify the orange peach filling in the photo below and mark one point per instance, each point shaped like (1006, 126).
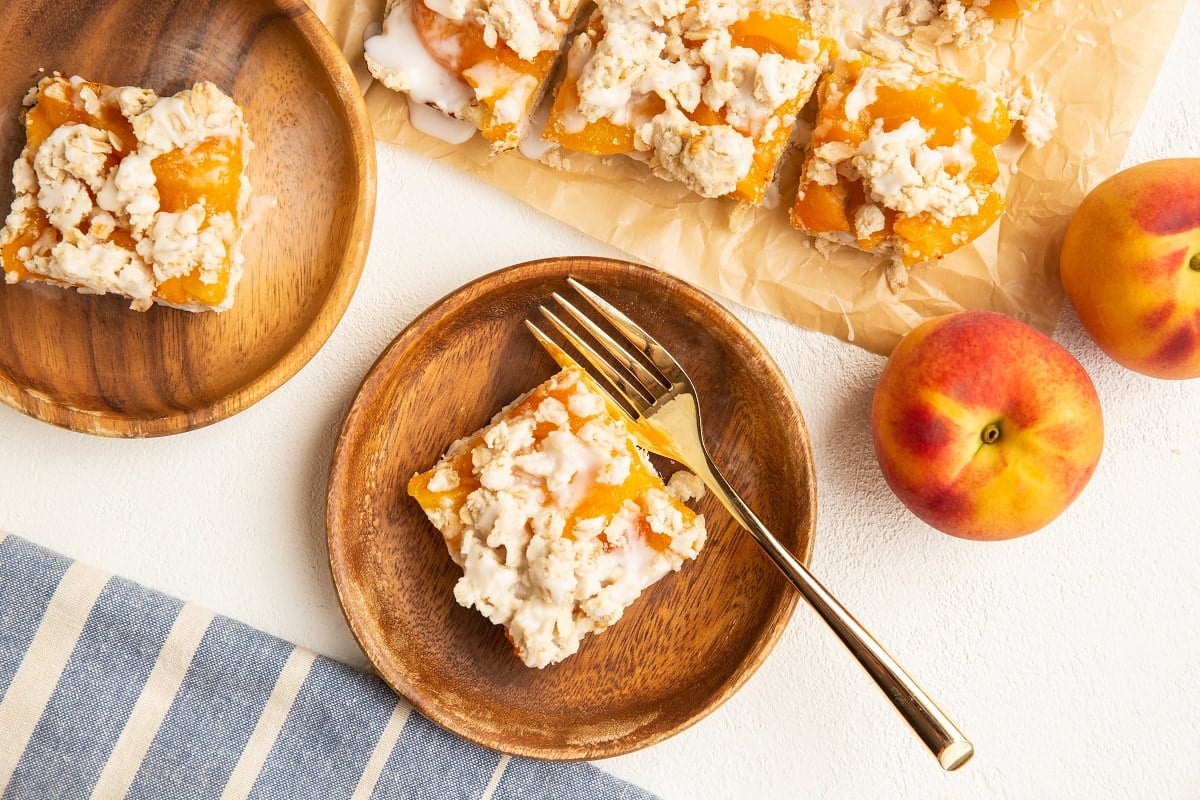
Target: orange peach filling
(1007, 9)
(208, 174)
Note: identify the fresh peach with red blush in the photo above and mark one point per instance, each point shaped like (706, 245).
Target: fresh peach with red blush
(984, 427)
(1130, 265)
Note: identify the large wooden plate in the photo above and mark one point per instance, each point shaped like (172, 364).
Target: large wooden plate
(89, 363)
(685, 646)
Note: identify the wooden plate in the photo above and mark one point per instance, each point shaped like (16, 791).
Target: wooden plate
(685, 646)
(89, 363)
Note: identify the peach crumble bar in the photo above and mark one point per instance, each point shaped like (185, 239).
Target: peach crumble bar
(484, 62)
(706, 90)
(901, 162)
(558, 520)
(119, 190)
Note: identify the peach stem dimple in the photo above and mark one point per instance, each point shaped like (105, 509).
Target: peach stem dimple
(991, 433)
(1194, 262)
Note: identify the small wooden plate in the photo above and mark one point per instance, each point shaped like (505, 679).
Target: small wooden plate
(89, 363)
(686, 645)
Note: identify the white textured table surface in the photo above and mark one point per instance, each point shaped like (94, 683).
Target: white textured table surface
(1071, 657)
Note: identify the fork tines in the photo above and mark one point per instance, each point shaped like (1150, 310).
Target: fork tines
(646, 344)
(622, 370)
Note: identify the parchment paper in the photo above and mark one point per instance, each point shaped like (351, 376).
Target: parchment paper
(1096, 59)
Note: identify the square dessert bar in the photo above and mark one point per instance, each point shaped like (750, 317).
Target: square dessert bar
(901, 162)
(558, 520)
(118, 190)
(706, 90)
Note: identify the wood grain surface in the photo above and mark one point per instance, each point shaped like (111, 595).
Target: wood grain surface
(686, 645)
(89, 363)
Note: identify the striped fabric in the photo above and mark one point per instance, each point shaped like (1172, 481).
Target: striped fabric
(111, 690)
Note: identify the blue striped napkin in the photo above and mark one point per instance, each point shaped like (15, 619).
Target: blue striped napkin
(110, 690)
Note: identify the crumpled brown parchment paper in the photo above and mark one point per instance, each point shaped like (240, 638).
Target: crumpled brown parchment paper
(1096, 59)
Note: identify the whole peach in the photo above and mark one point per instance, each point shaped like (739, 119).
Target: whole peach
(984, 427)
(1130, 265)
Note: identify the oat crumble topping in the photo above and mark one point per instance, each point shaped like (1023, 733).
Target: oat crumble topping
(1030, 106)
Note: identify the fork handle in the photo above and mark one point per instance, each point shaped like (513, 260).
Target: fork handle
(936, 730)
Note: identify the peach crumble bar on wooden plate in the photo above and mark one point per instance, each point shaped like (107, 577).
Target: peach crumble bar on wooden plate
(121, 191)
(557, 518)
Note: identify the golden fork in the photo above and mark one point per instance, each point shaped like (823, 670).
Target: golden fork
(667, 422)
